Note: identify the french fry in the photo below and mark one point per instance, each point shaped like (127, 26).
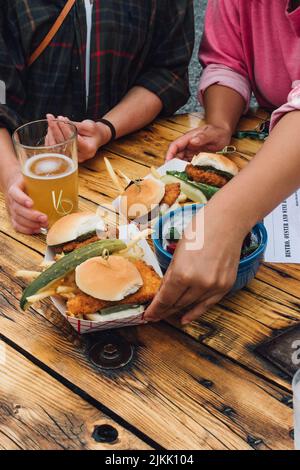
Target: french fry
(141, 236)
(46, 264)
(155, 173)
(134, 253)
(71, 295)
(43, 295)
(28, 275)
(125, 177)
(70, 314)
(65, 289)
(113, 175)
(182, 198)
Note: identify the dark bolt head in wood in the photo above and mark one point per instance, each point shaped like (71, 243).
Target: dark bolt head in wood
(105, 433)
(111, 354)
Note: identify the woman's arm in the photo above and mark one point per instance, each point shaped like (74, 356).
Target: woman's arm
(200, 277)
(224, 87)
(19, 205)
(269, 178)
(223, 109)
(138, 108)
(9, 165)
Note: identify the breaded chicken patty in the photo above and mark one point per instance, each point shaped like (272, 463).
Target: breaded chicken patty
(172, 191)
(112, 232)
(82, 303)
(71, 246)
(195, 173)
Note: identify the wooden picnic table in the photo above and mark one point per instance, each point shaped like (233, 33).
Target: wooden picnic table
(201, 386)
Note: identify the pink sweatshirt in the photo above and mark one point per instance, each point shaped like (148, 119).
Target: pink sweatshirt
(254, 46)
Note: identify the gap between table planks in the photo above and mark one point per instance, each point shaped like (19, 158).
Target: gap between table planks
(37, 412)
(179, 393)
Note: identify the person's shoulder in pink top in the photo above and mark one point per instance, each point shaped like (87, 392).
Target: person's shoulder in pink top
(253, 46)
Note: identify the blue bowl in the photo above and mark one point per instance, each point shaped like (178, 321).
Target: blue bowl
(248, 266)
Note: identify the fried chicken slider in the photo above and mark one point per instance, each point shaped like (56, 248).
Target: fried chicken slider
(212, 169)
(77, 230)
(144, 199)
(112, 288)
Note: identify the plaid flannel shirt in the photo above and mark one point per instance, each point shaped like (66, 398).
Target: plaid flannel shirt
(144, 43)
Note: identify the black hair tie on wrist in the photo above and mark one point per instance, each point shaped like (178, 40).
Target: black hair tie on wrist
(112, 129)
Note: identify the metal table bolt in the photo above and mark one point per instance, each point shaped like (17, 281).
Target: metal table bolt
(111, 353)
(105, 433)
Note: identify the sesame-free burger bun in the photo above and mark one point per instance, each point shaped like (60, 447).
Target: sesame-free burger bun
(110, 279)
(72, 226)
(219, 162)
(139, 198)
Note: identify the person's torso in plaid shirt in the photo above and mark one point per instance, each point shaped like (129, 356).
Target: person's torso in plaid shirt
(134, 42)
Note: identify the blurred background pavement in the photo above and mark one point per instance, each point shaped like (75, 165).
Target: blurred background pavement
(193, 105)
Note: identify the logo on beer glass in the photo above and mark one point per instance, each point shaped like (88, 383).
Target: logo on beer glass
(62, 206)
(2, 92)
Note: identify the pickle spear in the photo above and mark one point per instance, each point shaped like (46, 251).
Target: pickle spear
(68, 264)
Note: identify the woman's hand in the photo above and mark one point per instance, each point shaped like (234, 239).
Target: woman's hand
(202, 271)
(208, 138)
(23, 217)
(91, 135)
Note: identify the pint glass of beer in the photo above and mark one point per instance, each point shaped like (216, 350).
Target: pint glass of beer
(48, 158)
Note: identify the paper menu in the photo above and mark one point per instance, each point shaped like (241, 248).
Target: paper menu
(283, 227)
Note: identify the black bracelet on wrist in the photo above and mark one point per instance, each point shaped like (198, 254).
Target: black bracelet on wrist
(112, 129)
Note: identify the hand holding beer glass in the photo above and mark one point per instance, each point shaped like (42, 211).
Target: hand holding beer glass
(47, 151)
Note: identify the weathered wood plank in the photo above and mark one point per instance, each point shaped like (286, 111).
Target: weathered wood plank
(284, 277)
(185, 122)
(182, 122)
(38, 413)
(241, 322)
(147, 147)
(194, 399)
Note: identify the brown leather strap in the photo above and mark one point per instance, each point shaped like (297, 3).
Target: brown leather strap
(57, 25)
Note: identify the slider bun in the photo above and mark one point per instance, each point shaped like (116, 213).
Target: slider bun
(112, 279)
(219, 162)
(72, 226)
(138, 199)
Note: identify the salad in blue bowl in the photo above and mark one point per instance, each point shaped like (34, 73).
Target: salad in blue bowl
(168, 231)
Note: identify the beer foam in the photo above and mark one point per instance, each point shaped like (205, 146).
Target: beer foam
(43, 168)
(46, 167)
